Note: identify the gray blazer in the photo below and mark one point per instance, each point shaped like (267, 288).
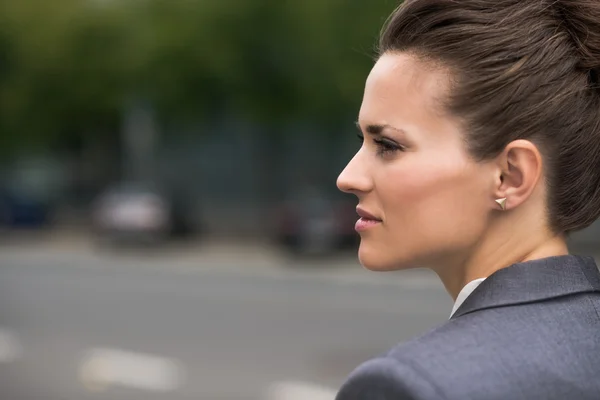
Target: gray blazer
(528, 332)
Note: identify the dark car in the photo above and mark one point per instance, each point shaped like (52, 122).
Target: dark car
(27, 199)
(315, 221)
(19, 211)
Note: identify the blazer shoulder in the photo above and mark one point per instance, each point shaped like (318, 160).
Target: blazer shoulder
(388, 378)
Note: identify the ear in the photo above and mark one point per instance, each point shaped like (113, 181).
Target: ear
(520, 170)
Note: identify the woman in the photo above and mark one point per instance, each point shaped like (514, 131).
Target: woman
(481, 152)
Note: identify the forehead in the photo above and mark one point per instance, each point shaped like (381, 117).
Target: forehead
(401, 84)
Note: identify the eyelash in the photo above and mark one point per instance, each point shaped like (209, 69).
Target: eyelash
(383, 146)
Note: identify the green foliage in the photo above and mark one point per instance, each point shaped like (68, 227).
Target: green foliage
(70, 66)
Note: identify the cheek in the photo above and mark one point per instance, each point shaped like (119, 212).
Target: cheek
(427, 199)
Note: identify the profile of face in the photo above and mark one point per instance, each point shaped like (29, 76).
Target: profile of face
(413, 174)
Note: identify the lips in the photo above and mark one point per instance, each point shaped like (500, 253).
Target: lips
(366, 215)
(366, 221)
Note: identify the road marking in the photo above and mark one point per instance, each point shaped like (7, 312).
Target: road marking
(10, 347)
(299, 391)
(103, 368)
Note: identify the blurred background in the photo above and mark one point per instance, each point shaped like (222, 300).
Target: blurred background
(169, 222)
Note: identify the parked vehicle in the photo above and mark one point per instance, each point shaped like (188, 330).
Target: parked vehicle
(20, 211)
(29, 193)
(140, 213)
(316, 222)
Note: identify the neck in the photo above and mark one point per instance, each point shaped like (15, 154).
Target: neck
(496, 253)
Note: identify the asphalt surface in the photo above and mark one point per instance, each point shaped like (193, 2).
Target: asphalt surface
(93, 327)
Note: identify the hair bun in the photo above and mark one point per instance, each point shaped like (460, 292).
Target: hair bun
(581, 18)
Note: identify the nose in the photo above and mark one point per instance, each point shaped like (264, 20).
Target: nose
(355, 178)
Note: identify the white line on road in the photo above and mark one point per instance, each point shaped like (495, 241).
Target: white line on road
(10, 347)
(299, 391)
(102, 368)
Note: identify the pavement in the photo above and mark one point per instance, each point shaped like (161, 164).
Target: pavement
(215, 322)
(76, 248)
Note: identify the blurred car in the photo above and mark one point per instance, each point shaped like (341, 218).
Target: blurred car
(139, 213)
(20, 211)
(316, 222)
(29, 193)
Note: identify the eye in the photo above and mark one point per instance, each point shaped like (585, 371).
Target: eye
(360, 137)
(386, 146)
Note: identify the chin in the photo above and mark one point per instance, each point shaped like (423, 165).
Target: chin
(378, 259)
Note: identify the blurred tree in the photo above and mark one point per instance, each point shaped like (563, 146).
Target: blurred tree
(65, 76)
(68, 68)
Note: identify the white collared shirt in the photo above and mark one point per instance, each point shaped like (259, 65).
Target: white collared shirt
(464, 293)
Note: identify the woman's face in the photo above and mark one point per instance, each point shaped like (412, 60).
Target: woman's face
(413, 173)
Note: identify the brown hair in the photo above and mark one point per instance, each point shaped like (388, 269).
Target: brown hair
(522, 69)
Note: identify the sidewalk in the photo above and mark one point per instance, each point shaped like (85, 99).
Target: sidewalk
(199, 251)
(202, 256)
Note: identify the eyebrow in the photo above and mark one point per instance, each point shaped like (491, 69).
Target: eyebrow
(377, 129)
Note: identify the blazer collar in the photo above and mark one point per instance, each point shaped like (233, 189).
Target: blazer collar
(534, 281)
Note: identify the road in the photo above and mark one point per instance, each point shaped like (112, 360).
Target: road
(107, 328)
